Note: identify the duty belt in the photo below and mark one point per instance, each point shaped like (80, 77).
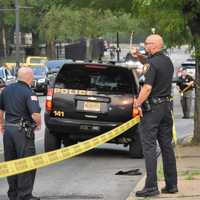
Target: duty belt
(12, 124)
(158, 100)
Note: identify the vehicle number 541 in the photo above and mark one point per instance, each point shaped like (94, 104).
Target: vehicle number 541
(59, 113)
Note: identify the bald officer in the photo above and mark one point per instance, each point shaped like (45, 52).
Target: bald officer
(17, 102)
(156, 122)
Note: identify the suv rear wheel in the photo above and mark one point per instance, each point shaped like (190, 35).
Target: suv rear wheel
(68, 142)
(51, 141)
(135, 147)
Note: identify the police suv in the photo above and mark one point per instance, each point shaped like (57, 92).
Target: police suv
(88, 99)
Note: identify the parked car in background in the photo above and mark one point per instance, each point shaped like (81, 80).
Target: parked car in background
(189, 65)
(6, 75)
(40, 81)
(89, 99)
(32, 61)
(54, 66)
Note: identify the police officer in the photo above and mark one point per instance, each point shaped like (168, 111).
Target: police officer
(19, 102)
(185, 83)
(156, 121)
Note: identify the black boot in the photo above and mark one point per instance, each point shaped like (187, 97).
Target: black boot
(34, 198)
(170, 189)
(147, 192)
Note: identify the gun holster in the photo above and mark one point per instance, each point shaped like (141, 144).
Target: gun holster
(146, 106)
(28, 127)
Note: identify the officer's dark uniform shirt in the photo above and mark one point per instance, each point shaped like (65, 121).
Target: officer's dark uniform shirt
(182, 82)
(18, 100)
(159, 75)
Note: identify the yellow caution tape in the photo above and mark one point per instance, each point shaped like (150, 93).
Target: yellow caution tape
(174, 130)
(14, 167)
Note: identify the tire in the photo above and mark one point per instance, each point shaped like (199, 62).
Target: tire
(51, 141)
(68, 142)
(135, 147)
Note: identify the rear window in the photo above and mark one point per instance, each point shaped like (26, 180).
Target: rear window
(100, 79)
(188, 65)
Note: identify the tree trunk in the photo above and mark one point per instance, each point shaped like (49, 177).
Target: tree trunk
(196, 138)
(4, 41)
(50, 50)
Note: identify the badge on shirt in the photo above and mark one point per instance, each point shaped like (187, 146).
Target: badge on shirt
(34, 98)
(146, 68)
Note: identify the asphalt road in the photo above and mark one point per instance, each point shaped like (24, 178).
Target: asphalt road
(92, 174)
(87, 176)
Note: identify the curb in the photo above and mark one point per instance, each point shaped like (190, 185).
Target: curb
(138, 186)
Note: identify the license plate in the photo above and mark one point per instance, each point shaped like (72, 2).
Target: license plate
(91, 106)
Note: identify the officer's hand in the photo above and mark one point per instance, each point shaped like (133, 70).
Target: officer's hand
(135, 52)
(140, 111)
(2, 129)
(138, 106)
(37, 119)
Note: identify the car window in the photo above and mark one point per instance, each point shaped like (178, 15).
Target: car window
(111, 79)
(188, 65)
(54, 66)
(37, 71)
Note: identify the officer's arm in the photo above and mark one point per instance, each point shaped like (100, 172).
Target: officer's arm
(1, 121)
(136, 54)
(37, 119)
(143, 95)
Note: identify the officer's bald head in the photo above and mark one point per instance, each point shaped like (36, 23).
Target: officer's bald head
(25, 74)
(154, 43)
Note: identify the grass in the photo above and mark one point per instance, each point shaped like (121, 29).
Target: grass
(188, 174)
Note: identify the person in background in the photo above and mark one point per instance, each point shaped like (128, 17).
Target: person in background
(185, 84)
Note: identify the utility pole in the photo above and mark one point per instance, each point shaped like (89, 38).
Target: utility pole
(118, 48)
(17, 30)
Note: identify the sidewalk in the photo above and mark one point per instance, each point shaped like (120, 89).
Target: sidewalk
(188, 165)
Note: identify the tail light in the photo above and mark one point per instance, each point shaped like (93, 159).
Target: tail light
(49, 104)
(135, 112)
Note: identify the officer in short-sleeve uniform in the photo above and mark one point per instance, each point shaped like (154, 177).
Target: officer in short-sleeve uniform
(185, 83)
(156, 125)
(18, 101)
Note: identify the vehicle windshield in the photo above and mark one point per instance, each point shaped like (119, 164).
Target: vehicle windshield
(38, 60)
(54, 66)
(39, 71)
(111, 79)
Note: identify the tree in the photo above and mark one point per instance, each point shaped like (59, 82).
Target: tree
(178, 21)
(61, 22)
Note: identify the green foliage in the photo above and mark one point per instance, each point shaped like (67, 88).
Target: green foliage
(166, 17)
(72, 23)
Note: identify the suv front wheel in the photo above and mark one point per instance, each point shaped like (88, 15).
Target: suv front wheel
(51, 141)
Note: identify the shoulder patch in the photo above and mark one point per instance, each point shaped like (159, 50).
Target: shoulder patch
(146, 68)
(34, 98)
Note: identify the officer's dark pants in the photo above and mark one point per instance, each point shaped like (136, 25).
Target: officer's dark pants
(186, 103)
(16, 145)
(157, 125)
